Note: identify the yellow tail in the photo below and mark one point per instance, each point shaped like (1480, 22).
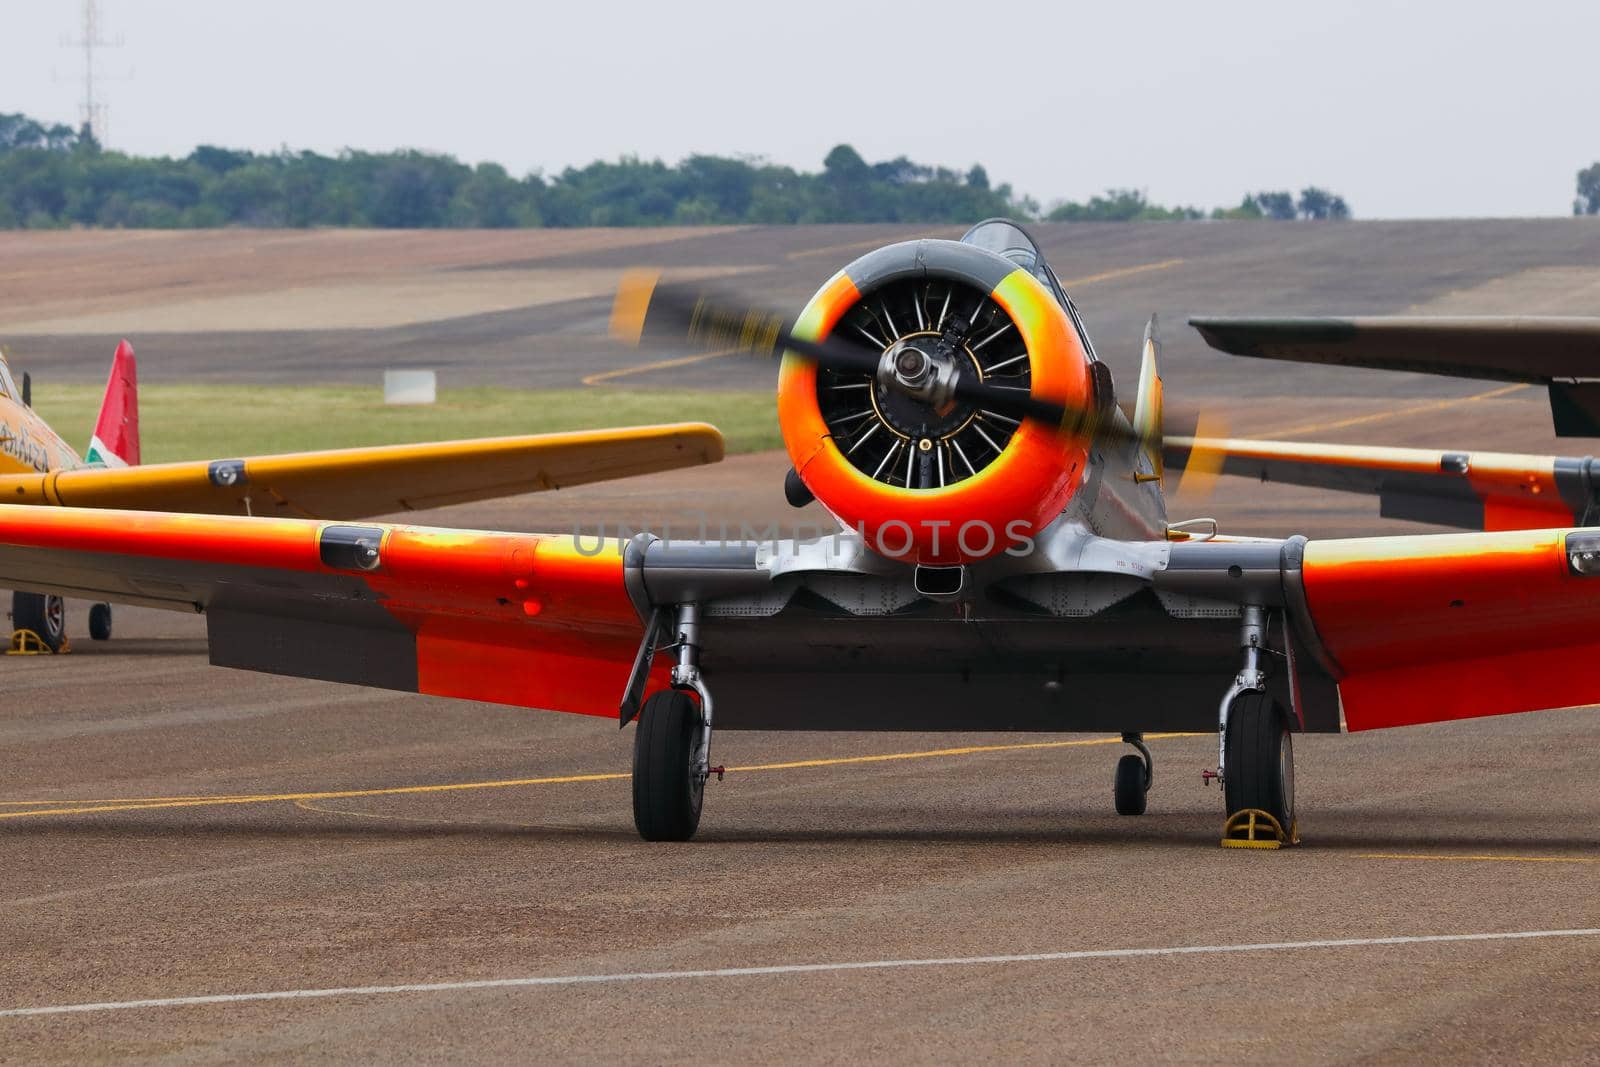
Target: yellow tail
(1147, 408)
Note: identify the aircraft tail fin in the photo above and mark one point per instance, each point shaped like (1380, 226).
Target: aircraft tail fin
(1147, 407)
(116, 433)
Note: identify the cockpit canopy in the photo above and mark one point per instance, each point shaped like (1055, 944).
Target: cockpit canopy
(1006, 238)
(7, 385)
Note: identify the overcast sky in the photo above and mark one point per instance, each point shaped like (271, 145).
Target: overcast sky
(1407, 109)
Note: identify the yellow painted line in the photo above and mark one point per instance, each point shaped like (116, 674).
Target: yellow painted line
(1474, 858)
(85, 807)
(1120, 272)
(807, 253)
(969, 750)
(1399, 413)
(90, 806)
(122, 800)
(660, 364)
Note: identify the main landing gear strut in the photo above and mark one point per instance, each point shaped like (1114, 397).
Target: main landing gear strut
(1255, 751)
(672, 746)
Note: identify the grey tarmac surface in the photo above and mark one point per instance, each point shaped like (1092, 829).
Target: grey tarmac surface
(1119, 274)
(169, 829)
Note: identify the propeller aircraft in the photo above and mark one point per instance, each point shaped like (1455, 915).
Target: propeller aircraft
(1004, 561)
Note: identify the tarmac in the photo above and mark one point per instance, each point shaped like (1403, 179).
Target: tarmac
(206, 865)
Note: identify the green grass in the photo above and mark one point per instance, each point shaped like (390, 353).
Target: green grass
(215, 421)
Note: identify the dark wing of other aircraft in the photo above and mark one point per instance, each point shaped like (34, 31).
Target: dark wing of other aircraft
(1562, 353)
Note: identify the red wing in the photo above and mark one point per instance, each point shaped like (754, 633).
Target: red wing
(531, 620)
(1474, 490)
(1424, 629)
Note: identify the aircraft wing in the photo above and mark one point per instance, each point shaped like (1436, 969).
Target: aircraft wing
(1473, 490)
(1562, 353)
(1088, 633)
(506, 618)
(1428, 628)
(1505, 348)
(354, 482)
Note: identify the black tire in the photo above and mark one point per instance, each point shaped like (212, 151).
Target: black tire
(44, 615)
(100, 622)
(1130, 789)
(667, 791)
(1260, 771)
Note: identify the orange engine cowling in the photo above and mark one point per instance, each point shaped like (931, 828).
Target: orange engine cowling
(938, 487)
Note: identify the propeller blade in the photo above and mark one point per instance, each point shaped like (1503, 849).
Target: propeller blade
(1204, 461)
(646, 309)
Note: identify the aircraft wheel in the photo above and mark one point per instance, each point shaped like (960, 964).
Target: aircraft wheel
(100, 622)
(1131, 785)
(44, 615)
(667, 786)
(1260, 770)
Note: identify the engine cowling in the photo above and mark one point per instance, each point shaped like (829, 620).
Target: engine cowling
(937, 486)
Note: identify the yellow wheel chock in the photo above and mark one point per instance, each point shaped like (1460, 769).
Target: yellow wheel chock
(1254, 828)
(29, 643)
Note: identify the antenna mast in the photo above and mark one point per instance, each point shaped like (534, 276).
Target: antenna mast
(93, 109)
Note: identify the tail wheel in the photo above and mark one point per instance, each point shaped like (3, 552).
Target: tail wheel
(667, 785)
(44, 615)
(100, 622)
(1260, 767)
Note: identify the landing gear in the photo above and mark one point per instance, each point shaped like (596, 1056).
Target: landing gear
(100, 622)
(667, 784)
(1134, 774)
(672, 748)
(1260, 759)
(1256, 751)
(45, 616)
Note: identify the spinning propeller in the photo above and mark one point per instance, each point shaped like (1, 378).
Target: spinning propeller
(922, 368)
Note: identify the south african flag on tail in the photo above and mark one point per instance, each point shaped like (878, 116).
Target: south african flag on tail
(116, 433)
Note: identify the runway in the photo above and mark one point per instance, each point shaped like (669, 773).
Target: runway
(202, 865)
(212, 834)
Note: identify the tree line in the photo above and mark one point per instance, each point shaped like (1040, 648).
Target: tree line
(55, 176)
(1130, 205)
